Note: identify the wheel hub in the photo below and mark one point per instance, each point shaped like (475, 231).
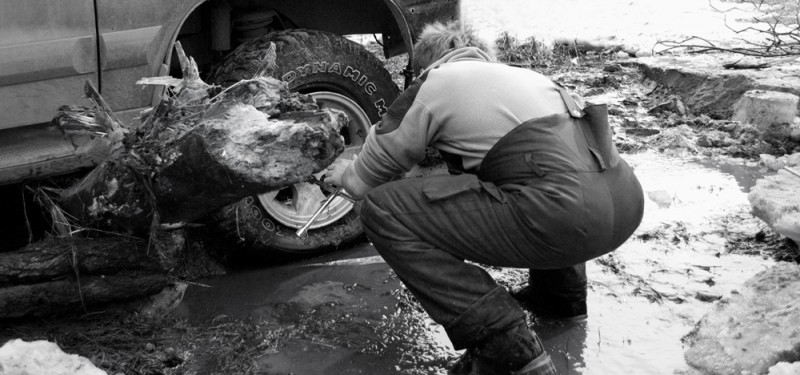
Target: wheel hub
(294, 205)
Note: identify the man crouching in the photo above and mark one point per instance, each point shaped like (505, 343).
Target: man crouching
(535, 183)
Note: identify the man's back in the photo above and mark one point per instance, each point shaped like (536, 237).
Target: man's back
(475, 103)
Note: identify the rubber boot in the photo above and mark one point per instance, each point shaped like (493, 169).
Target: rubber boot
(517, 351)
(558, 294)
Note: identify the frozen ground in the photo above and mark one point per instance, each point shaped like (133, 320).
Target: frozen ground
(634, 23)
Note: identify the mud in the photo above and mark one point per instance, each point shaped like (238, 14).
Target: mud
(698, 242)
(347, 313)
(710, 89)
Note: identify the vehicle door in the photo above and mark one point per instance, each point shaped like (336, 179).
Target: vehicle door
(134, 37)
(48, 51)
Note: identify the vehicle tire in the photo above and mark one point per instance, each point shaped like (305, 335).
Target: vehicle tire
(340, 74)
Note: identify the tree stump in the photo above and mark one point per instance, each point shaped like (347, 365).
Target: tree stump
(197, 153)
(198, 150)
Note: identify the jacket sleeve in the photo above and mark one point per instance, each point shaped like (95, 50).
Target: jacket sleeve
(398, 141)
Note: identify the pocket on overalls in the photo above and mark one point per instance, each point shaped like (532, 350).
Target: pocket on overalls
(436, 188)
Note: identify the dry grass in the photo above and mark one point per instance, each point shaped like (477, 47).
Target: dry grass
(533, 53)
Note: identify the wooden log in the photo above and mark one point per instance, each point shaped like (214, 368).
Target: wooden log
(196, 154)
(230, 154)
(73, 295)
(60, 257)
(197, 151)
(97, 201)
(238, 152)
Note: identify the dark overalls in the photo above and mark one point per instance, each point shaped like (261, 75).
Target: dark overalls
(550, 195)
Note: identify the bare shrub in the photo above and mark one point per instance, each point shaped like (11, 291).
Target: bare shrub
(768, 28)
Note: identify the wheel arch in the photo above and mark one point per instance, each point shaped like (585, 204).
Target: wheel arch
(387, 17)
(162, 55)
(405, 28)
(398, 22)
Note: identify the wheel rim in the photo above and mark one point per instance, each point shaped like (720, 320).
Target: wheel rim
(294, 205)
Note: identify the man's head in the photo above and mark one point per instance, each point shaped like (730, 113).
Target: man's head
(437, 39)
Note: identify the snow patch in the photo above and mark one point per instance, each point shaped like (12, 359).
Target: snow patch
(18, 357)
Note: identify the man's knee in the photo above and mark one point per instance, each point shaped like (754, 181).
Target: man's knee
(383, 204)
(372, 214)
(380, 216)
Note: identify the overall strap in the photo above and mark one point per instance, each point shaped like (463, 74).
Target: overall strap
(573, 107)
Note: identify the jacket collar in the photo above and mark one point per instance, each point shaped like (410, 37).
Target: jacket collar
(460, 54)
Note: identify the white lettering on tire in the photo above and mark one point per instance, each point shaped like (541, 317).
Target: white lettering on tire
(362, 80)
(381, 106)
(370, 88)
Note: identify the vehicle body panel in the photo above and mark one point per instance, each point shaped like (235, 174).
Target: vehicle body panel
(49, 49)
(134, 36)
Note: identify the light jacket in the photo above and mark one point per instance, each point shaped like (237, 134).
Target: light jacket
(462, 105)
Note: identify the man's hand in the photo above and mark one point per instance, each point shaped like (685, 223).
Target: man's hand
(334, 174)
(343, 173)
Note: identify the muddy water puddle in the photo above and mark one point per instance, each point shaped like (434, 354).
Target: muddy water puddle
(340, 314)
(347, 313)
(648, 294)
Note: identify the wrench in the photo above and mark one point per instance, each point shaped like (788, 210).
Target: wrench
(338, 192)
